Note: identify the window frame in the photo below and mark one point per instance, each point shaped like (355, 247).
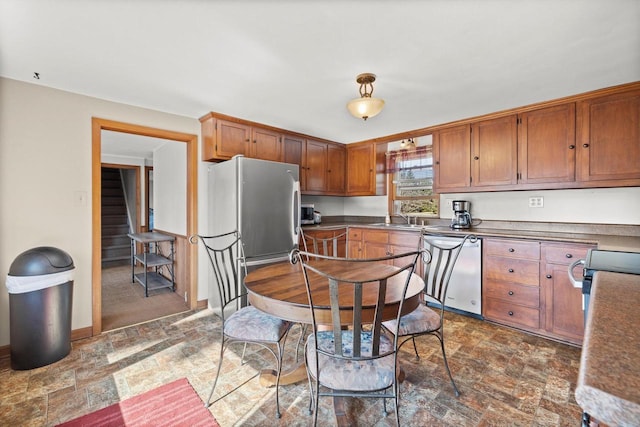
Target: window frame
(392, 190)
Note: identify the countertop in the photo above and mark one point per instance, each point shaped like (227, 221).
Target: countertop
(608, 386)
(597, 236)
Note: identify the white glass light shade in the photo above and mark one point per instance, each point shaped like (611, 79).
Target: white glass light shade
(365, 107)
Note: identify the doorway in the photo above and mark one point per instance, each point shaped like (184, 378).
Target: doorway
(188, 252)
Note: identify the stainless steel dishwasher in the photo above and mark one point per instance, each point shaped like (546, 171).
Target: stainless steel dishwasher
(465, 285)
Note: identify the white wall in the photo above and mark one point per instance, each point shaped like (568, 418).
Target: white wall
(589, 206)
(45, 177)
(170, 188)
(593, 205)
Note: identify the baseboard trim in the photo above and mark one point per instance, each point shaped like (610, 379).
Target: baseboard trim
(76, 334)
(203, 303)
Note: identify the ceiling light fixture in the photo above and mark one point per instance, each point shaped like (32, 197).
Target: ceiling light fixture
(410, 143)
(366, 106)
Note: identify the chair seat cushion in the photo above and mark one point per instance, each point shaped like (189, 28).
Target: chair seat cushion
(249, 323)
(353, 375)
(422, 319)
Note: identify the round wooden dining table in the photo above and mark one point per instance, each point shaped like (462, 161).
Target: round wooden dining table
(279, 289)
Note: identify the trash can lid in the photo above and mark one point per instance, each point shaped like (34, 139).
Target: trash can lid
(41, 260)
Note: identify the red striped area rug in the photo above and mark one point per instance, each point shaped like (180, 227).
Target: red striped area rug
(173, 404)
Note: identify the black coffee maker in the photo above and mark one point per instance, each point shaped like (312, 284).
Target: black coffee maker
(461, 216)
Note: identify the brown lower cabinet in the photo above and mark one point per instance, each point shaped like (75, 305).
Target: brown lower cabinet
(526, 285)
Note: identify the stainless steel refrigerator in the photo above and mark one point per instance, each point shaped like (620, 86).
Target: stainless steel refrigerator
(261, 200)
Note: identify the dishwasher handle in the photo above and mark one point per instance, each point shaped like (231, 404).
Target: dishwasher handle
(576, 283)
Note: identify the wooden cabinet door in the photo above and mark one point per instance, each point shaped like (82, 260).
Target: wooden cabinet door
(401, 242)
(266, 145)
(336, 164)
(452, 154)
(564, 317)
(361, 170)
(354, 243)
(375, 243)
(293, 147)
(609, 137)
(563, 313)
(354, 249)
(547, 145)
(316, 166)
(231, 138)
(494, 152)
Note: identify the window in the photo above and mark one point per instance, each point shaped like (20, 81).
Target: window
(410, 174)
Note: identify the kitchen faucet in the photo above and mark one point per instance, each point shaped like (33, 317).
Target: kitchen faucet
(406, 217)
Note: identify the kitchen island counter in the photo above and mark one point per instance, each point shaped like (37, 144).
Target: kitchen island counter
(608, 385)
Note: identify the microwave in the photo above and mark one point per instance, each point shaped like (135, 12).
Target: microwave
(306, 213)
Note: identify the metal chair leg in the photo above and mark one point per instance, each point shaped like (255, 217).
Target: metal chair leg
(446, 365)
(215, 381)
(415, 348)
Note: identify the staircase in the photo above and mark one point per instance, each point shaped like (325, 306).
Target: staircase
(116, 245)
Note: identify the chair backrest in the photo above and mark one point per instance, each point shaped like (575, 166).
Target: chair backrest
(226, 256)
(438, 261)
(333, 246)
(364, 285)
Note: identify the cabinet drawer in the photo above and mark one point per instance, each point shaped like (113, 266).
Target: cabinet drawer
(564, 254)
(513, 314)
(512, 270)
(405, 239)
(512, 248)
(355, 234)
(377, 236)
(513, 293)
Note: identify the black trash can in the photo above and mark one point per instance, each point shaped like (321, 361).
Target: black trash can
(40, 285)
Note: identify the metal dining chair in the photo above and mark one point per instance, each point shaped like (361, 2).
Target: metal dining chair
(360, 360)
(247, 324)
(438, 261)
(329, 246)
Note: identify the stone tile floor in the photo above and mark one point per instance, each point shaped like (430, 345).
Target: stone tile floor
(507, 378)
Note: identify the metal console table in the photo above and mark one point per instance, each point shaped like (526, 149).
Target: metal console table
(152, 258)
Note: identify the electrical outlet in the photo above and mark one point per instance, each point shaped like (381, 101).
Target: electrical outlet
(449, 203)
(536, 202)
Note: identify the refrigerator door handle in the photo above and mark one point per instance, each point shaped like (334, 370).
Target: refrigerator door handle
(295, 201)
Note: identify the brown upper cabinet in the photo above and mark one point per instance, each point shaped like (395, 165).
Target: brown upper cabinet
(322, 163)
(609, 139)
(224, 139)
(365, 169)
(547, 145)
(294, 149)
(477, 155)
(493, 151)
(452, 158)
(593, 142)
(266, 145)
(324, 168)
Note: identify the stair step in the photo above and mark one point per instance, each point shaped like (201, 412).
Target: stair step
(114, 220)
(116, 252)
(113, 210)
(115, 240)
(115, 229)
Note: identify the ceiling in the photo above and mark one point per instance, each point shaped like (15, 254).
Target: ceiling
(292, 64)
